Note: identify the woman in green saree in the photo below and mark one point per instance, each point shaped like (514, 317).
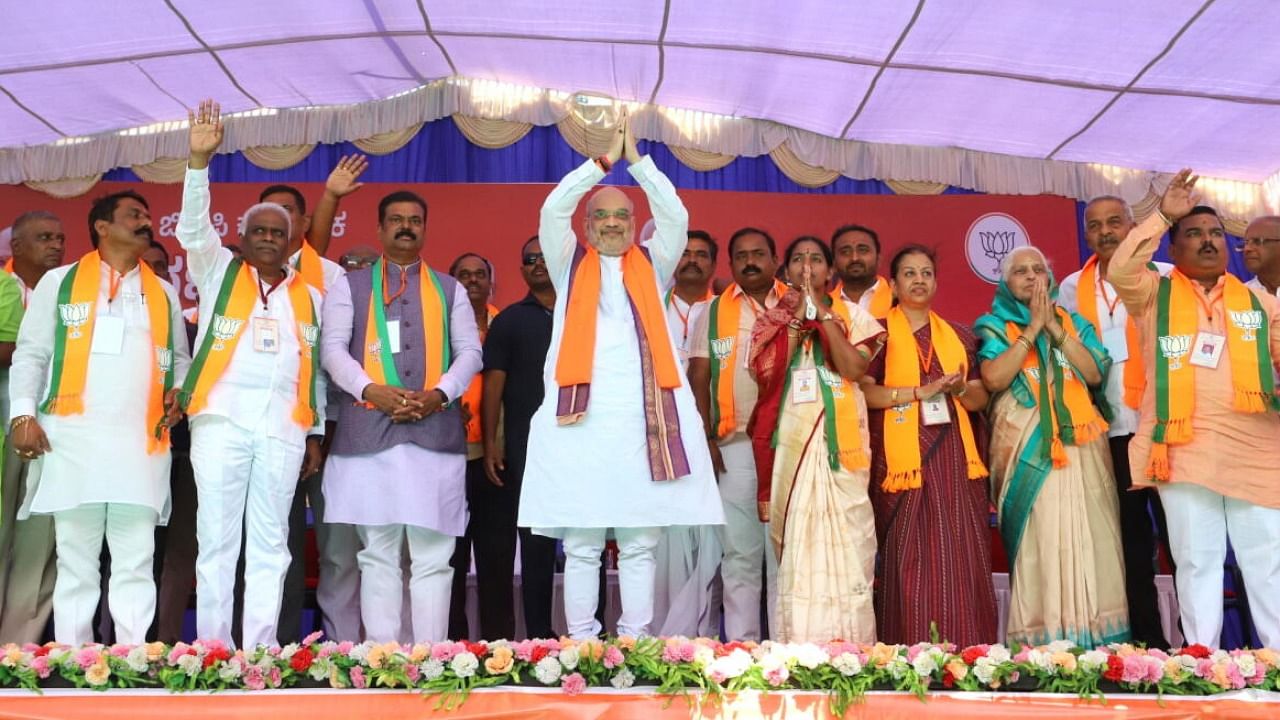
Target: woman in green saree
(1050, 466)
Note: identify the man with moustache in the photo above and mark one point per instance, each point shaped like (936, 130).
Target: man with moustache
(401, 342)
(93, 385)
(1208, 427)
(515, 352)
(857, 254)
(726, 395)
(685, 593)
(475, 273)
(614, 444)
(255, 398)
(1107, 220)
(1260, 247)
(26, 547)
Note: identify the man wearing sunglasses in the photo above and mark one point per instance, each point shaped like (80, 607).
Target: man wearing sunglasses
(616, 445)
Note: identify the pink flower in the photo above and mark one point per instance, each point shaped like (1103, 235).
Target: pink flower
(1023, 655)
(357, 677)
(1234, 676)
(313, 637)
(412, 672)
(253, 678)
(687, 651)
(1204, 668)
(275, 676)
(87, 658)
(613, 658)
(120, 651)
(344, 647)
(523, 650)
(1135, 669)
(443, 651)
(41, 666)
(670, 654)
(776, 675)
(573, 684)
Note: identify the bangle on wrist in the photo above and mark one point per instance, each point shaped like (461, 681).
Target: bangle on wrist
(1164, 218)
(915, 393)
(893, 396)
(604, 163)
(20, 421)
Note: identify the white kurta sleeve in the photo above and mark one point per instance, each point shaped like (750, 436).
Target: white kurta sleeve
(670, 218)
(181, 350)
(206, 257)
(322, 380)
(555, 225)
(464, 341)
(34, 350)
(335, 341)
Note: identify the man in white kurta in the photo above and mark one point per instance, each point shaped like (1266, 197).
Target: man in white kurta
(586, 478)
(95, 476)
(247, 451)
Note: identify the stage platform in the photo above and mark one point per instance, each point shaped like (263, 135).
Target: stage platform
(606, 704)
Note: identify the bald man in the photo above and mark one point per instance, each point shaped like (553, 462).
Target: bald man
(617, 443)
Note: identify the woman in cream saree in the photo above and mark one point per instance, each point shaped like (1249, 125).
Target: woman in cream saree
(1050, 465)
(809, 434)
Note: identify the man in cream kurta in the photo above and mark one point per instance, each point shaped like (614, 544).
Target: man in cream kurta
(1224, 481)
(95, 475)
(247, 450)
(583, 479)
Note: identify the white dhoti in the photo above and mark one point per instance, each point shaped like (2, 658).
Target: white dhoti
(1200, 522)
(244, 480)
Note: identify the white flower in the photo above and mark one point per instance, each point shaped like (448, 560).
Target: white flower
(58, 654)
(898, 668)
(464, 664)
(319, 669)
(999, 654)
(137, 659)
(730, 666)
(229, 671)
(287, 651)
(703, 656)
(547, 670)
(623, 679)
(1218, 656)
(984, 669)
(1040, 659)
(360, 652)
(1093, 660)
(924, 664)
(1248, 666)
(431, 669)
(191, 664)
(1059, 646)
(811, 656)
(847, 664)
(569, 658)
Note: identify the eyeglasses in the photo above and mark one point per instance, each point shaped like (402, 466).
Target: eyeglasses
(1243, 243)
(529, 259)
(622, 214)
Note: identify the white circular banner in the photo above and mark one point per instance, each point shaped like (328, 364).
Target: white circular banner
(990, 238)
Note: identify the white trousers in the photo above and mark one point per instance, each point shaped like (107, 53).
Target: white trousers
(244, 482)
(749, 561)
(382, 582)
(582, 548)
(1200, 522)
(131, 589)
(338, 586)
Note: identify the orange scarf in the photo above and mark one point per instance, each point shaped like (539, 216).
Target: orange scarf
(1135, 374)
(881, 297)
(475, 391)
(310, 268)
(574, 364)
(722, 342)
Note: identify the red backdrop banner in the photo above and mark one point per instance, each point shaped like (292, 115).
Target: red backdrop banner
(970, 232)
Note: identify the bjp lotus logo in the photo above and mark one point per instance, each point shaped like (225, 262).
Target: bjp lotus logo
(989, 241)
(310, 333)
(1173, 348)
(224, 328)
(1249, 321)
(375, 350)
(721, 347)
(164, 359)
(74, 315)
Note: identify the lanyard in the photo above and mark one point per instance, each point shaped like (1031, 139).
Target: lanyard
(270, 288)
(404, 280)
(113, 284)
(925, 361)
(1111, 304)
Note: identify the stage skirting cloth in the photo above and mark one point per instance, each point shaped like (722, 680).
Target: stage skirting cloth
(605, 704)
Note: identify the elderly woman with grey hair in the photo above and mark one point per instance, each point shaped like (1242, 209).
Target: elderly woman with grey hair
(1050, 472)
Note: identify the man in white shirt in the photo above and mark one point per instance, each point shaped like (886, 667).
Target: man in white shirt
(255, 397)
(1107, 220)
(1261, 250)
(95, 373)
(616, 443)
